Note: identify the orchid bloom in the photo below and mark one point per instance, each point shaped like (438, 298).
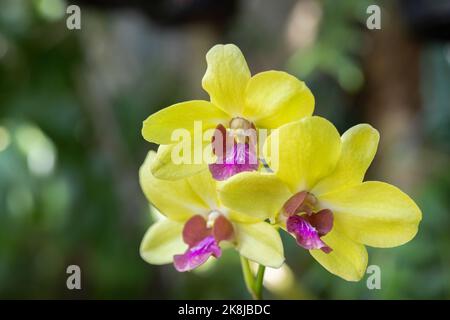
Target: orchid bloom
(238, 103)
(317, 194)
(196, 224)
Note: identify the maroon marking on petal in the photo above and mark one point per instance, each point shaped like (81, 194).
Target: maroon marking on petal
(294, 202)
(322, 221)
(326, 249)
(195, 230)
(222, 229)
(219, 141)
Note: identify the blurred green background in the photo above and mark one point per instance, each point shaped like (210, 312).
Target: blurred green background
(72, 103)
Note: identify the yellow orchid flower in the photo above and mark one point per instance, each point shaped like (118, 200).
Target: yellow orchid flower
(196, 223)
(317, 194)
(239, 102)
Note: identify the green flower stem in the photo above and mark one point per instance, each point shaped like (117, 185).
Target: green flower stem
(254, 285)
(259, 281)
(248, 276)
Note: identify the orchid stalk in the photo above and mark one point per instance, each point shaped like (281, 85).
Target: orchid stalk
(253, 283)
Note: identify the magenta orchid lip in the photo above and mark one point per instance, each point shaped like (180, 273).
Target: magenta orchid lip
(306, 223)
(203, 241)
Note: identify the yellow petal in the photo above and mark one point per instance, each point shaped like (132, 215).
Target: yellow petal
(274, 98)
(161, 126)
(348, 259)
(163, 166)
(175, 199)
(261, 243)
(308, 150)
(235, 216)
(205, 187)
(359, 145)
(374, 213)
(259, 195)
(226, 78)
(162, 241)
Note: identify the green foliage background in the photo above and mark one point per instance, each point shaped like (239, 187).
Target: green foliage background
(71, 108)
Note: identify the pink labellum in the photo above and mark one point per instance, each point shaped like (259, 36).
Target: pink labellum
(203, 241)
(307, 235)
(241, 158)
(197, 255)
